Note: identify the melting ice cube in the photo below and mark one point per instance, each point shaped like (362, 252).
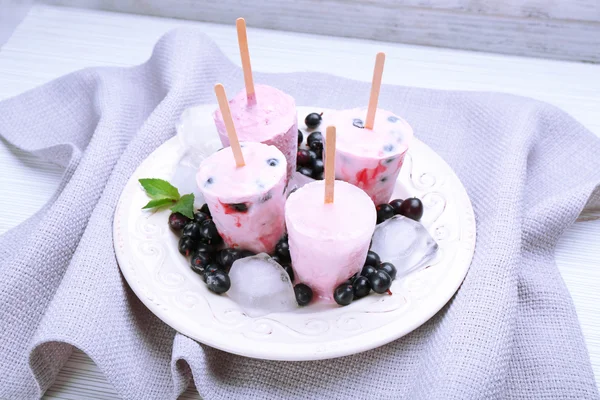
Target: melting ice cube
(404, 243)
(198, 141)
(184, 179)
(195, 135)
(260, 286)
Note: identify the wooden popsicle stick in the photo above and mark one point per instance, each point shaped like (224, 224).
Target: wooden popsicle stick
(375, 87)
(240, 24)
(329, 164)
(233, 139)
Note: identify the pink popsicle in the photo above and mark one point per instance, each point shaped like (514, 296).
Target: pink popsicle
(328, 242)
(370, 159)
(247, 203)
(272, 120)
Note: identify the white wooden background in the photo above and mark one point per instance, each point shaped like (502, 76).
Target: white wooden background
(11, 13)
(53, 41)
(564, 29)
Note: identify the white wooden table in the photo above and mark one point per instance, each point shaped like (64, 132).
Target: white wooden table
(53, 41)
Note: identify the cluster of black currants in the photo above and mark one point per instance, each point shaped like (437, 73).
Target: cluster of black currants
(309, 162)
(375, 275)
(411, 208)
(303, 292)
(201, 230)
(200, 239)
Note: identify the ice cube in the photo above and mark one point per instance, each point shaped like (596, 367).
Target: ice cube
(404, 243)
(194, 134)
(184, 179)
(260, 286)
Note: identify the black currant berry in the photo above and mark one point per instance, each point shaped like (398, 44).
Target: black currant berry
(361, 287)
(312, 120)
(389, 268)
(209, 269)
(380, 281)
(209, 233)
(290, 272)
(205, 210)
(412, 208)
(372, 259)
(191, 230)
(306, 171)
(368, 270)
(177, 221)
(282, 251)
(344, 294)
(318, 166)
(314, 137)
(227, 257)
(303, 158)
(186, 245)
(304, 294)
(200, 217)
(396, 203)
(199, 262)
(218, 281)
(384, 212)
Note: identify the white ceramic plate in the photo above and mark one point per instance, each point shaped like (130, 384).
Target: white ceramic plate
(147, 254)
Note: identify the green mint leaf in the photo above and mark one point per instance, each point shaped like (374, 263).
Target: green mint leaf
(185, 205)
(158, 189)
(158, 203)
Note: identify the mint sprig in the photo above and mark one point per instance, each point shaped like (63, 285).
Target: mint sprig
(158, 203)
(164, 194)
(185, 205)
(158, 189)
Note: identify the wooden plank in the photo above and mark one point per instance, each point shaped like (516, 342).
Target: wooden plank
(575, 10)
(462, 24)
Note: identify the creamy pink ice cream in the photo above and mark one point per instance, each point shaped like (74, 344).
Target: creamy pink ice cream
(271, 119)
(328, 242)
(247, 203)
(370, 159)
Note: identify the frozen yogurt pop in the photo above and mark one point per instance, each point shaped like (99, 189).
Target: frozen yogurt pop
(370, 158)
(246, 203)
(328, 242)
(244, 188)
(329, 236)
(371, 144)
(261, 113)
(271, 119)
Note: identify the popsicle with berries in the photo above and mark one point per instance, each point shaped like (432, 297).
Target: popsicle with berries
(261, 113)
(243, 186)
(328, 236)
(371, 144)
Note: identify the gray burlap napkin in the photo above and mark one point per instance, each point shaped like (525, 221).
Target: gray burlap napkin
(510, 332)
